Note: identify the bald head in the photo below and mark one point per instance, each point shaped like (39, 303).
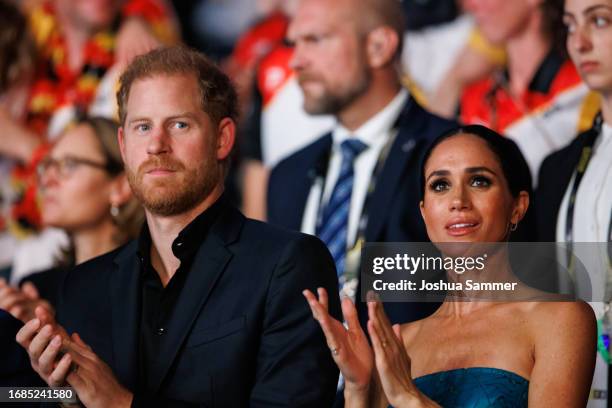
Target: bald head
(345, 51)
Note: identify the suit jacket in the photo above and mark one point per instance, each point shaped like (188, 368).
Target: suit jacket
(15, 369)
(554, 178)
(241, 333)
(394, 204)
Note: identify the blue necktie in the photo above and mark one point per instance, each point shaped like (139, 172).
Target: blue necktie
(333, 224)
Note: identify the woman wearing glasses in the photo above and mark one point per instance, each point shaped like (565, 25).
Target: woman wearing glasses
(84, 192)
(474, 353)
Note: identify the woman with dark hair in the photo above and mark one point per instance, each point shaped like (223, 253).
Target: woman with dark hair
(573, 201)
(84, 192)
(473, 351)
(537, 99)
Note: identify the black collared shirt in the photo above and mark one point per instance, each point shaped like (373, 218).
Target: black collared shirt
(157, 301)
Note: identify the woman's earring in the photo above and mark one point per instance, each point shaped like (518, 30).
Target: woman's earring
(114, 211)
(513, 227)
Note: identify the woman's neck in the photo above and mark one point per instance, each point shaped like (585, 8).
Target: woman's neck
(75, 37)
(93, 242)
(496, 269)
(530, 42)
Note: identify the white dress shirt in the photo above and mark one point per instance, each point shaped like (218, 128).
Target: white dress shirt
(592, 212)
(375, 133)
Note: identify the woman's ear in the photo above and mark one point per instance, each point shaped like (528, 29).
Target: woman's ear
(521, 203)
(120, 192)
(422, 208)
(382, 45)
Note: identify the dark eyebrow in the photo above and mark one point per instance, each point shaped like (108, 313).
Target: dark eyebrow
(588, 10)
(595, 7)
(470, 170)
(481, 169)
(438, 173)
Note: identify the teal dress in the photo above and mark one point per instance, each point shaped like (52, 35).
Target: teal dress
(476, 387)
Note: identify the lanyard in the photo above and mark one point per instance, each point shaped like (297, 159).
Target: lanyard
(363, 219)
(585, 157)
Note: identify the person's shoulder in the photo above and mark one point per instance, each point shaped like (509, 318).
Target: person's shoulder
(433, 125)
(99, 265)
(304, 157)
(276, 238)
(564, 318)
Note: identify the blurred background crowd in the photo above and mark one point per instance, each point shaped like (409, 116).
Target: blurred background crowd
(64, 198)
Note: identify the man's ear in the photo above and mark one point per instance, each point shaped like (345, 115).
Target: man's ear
(226, 138)
(121, 141)
(382, 45)
(120, 192)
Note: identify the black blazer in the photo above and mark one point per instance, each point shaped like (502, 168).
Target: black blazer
(241, 333)
(394, 214)
(15, 369)
(553, 180)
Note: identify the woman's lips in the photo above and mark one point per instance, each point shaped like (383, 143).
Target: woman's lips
(588, 66)
(460, 228)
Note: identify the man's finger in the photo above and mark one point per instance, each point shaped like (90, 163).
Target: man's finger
(58, 377)
(44, 315)
(30, 290)
(11, 300)
(47, 359)
(39, 342)
(27, 332)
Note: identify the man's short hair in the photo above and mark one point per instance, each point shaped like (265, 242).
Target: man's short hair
(218, 96)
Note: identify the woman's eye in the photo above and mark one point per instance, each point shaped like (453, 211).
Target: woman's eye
(600, 21)
(438, 185)
(480, 181)
(570, 27)
(70, 164)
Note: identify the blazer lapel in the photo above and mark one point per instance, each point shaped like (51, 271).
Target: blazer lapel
(208, 265)
(402, 150)
(298, 188)
(125, 301)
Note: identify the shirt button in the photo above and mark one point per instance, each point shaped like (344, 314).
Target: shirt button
(161, 331)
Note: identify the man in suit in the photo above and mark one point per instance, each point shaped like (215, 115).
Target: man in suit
(359, 183)
(205, 308)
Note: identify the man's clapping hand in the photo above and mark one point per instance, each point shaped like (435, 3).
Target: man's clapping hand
(61, 359)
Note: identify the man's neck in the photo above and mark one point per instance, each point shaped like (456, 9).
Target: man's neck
(165, 229)
(530, 42)
(384, 88)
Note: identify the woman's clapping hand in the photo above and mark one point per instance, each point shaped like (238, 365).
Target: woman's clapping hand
(349, 345)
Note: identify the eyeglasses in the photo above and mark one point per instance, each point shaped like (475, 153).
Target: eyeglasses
(67, 165)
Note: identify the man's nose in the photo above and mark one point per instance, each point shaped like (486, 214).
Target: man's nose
(159, 141)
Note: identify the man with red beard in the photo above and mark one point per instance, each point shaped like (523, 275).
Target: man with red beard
(205, 307)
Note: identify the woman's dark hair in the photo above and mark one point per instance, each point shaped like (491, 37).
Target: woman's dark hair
(16, 47)
(513, 164)
(553, 26)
